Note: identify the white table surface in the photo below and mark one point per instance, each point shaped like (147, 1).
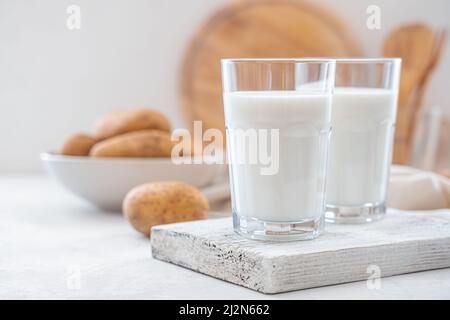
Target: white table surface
(53, 245)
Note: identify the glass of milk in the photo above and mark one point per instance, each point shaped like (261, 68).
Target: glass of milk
(278, 117)
(363, 125)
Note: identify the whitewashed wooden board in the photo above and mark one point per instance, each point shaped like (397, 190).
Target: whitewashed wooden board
(403, 242)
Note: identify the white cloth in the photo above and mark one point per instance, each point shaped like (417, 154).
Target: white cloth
(414, 189)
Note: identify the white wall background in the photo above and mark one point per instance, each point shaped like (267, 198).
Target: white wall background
(54, 81)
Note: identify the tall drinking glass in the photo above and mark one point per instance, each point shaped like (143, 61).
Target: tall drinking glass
(363, 125)
(277, 116)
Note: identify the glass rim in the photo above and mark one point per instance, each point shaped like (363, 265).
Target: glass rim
(368, 60)
(314, 60)
(278, 60)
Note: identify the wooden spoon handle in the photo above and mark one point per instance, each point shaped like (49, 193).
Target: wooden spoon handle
(418, 100)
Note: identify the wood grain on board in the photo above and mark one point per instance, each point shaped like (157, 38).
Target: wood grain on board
(402, 242)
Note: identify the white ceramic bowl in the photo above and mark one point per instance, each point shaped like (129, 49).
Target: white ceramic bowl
(104, 182)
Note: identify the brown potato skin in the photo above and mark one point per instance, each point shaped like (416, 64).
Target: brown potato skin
(78, 144)
(120, 122)
(163, 202)
(145, 143)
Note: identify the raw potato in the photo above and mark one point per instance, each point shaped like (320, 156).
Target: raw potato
(120, 122)
(78, 145)
(145, 143)
(163, 202)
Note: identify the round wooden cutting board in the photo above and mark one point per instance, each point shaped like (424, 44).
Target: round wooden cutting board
(255, 29)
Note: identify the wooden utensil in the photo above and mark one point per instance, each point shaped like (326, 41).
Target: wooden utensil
(420, 48)
(417, 103)
(243, 29)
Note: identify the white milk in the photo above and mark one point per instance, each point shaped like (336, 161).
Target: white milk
(363, 121)
(296, 191)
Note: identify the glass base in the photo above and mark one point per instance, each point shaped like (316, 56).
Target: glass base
(362, 214)
(253, 228)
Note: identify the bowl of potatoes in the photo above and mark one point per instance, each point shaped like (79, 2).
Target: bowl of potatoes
(125, 149)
